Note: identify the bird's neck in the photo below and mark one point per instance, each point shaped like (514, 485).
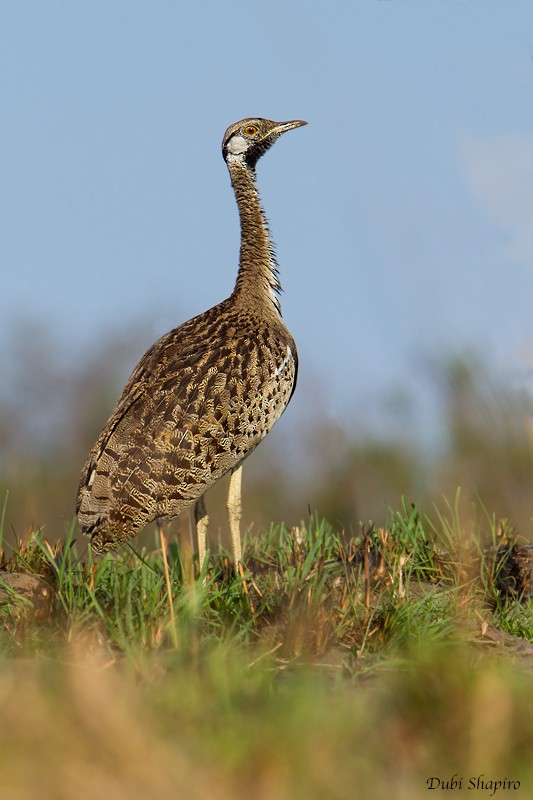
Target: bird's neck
(257, 281)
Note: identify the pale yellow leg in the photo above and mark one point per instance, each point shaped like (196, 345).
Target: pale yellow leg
(234, 513)
(163, 542)
(202, 521)
(187, 548)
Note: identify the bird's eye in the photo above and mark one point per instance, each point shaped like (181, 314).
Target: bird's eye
(251, 130)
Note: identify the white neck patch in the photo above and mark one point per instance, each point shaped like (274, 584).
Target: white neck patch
(237, 145)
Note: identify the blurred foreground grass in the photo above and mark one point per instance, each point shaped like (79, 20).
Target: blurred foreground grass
(336, 668)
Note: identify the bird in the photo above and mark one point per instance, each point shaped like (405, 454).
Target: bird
(205, 394)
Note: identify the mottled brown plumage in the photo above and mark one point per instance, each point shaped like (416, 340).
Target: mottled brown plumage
(204, 395)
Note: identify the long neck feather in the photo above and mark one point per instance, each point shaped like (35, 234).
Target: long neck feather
(257, 280)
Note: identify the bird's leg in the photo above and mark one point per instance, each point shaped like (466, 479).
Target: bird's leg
(202, 521)
(186, 548)
(234, 512)
(163, 543)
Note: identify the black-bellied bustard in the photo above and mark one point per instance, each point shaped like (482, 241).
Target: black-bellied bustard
(204, 395)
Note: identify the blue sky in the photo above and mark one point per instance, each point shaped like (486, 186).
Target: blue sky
(402, 214)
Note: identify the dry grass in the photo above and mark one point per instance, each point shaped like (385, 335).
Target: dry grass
(334, 668)
(80, 728)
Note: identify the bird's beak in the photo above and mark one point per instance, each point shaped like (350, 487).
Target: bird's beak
(281, 127)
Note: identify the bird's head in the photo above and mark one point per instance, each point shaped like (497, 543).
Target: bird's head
(248, 139)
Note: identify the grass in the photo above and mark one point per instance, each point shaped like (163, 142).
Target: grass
(335, 667)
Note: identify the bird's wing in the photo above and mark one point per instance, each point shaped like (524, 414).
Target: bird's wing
(155, 406)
